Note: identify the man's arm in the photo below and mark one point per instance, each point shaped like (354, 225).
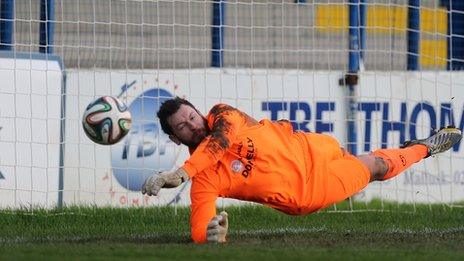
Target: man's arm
(203, 195)
(224, 122)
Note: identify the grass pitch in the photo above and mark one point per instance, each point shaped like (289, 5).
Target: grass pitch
(398, 231)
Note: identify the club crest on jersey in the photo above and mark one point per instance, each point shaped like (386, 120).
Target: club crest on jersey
(236, 166)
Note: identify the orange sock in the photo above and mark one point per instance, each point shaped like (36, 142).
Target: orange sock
(400, 159)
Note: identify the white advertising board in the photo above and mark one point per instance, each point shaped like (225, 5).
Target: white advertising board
(392, 107)
(30, 120)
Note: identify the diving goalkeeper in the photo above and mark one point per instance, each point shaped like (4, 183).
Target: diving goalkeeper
(233, 155)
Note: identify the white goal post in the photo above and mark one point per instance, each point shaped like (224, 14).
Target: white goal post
(31, 130)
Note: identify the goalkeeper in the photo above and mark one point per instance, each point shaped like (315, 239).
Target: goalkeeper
(232, 155)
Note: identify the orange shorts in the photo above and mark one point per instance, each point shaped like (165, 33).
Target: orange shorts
(334, 173)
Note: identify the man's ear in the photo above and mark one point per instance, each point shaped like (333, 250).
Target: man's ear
(174, 139)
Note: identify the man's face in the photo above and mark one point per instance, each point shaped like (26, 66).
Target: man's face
(188, 126)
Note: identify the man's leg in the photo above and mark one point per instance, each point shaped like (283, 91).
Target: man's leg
(387, 163)
(339, 175)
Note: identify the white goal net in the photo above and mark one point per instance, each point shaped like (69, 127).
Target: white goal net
(271, 59)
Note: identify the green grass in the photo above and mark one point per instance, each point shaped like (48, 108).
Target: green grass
(399, 231)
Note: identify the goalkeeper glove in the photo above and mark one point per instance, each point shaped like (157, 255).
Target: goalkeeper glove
(153, 184)
(217, 228)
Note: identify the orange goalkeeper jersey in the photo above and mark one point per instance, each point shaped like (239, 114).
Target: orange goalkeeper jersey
(264, 162)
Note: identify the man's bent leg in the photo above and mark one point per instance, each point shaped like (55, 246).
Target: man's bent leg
(347, 174)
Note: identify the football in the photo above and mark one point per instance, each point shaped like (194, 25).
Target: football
(106, 120)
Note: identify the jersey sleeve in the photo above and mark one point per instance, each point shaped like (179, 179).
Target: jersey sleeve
(203, 195)
(224, 122)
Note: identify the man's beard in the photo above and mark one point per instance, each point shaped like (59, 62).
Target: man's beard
(197, 138)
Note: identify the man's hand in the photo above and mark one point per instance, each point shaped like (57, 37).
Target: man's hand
(153, 184)
(217, 228)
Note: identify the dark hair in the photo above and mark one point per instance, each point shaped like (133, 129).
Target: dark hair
(168, 108)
